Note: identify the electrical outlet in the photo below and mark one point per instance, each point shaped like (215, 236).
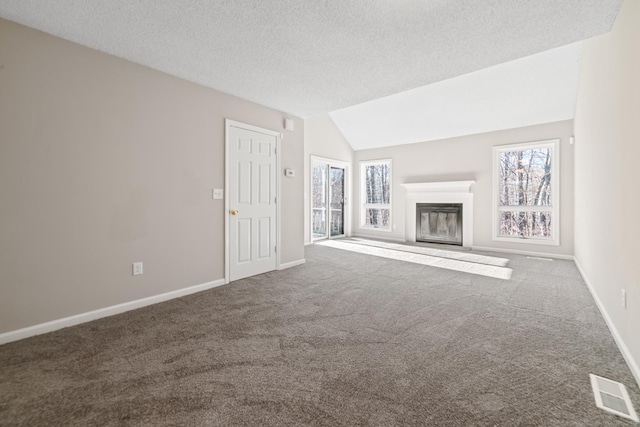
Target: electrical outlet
(217, 194)
(623, 299)
(137, 268)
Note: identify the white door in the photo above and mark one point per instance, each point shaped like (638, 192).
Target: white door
(252, 194)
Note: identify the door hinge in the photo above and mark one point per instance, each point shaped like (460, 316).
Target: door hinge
(275, 150)
(275, 200)
(275, 249)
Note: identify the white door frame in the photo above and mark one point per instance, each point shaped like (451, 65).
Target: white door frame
(347, 195)
(228, 123)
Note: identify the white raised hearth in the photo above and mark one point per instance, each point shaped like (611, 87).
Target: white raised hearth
(439, 192)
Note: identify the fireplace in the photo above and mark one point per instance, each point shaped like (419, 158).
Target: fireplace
(442, 193)
(439, 223)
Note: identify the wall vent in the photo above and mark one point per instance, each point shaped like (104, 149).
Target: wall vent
(612, 396)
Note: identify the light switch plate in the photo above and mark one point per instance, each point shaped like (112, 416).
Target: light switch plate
(218, 193)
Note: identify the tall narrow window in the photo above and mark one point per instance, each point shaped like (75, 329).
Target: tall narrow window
(329, 188)
(375, 193)
(319, 200)
(526, 192)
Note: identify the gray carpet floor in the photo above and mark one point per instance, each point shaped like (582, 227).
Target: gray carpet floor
(345, 339)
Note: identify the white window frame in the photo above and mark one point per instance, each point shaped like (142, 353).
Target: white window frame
(554, 145)
(347, 195)
(364, 206)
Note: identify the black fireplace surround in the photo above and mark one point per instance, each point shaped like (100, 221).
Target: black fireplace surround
(439, 223)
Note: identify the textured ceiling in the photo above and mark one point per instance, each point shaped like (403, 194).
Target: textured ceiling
(316, 56)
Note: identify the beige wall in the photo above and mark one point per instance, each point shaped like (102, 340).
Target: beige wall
(470, 158)
(607, 201)
(321, 138)
(104, 162)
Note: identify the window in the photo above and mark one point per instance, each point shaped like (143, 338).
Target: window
(329, 187)
(526, 192)
(375, 193)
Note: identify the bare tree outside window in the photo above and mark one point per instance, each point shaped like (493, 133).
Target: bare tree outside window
(328, 197)
(336, 183)
(319, 200)
(525, 191)
(376, 194)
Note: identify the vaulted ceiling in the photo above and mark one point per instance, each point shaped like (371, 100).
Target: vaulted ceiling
(311, 57)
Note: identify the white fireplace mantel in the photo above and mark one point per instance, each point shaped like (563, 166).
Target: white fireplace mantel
(439, 187)
(439, 192)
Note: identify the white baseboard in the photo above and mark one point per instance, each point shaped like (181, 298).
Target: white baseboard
(633, 365)
(516, 252)
(308, 243)
(286, 265)
(54, 325)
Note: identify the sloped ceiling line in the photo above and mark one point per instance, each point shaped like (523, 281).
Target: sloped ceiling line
(313, 57)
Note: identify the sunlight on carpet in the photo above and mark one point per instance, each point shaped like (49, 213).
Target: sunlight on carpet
(440, 253)
(474, 264)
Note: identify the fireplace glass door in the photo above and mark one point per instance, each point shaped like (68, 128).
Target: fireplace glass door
(327, 200)
(439, 223)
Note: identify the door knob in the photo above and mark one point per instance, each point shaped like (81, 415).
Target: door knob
(234, 212)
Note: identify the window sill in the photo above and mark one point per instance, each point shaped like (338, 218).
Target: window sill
(532, 241)
(365, 227)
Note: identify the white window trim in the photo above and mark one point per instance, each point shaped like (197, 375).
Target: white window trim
(554, 144)
(347, 194)
(365, 206)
